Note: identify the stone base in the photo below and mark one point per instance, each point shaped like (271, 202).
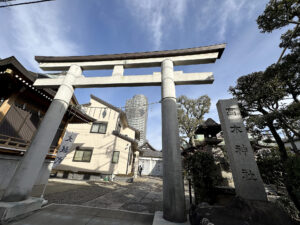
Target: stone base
(159, 220)
(9, 210)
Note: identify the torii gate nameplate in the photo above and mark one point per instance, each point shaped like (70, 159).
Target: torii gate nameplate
(173, 189)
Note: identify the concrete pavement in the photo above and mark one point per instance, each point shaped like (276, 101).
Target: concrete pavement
(82, 215)
(144, 195)
(98, 203)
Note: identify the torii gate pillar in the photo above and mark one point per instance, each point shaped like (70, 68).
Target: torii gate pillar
(25, 176)
(173, 188)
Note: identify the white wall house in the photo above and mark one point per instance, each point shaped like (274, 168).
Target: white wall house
(103, 148)
(150, 160)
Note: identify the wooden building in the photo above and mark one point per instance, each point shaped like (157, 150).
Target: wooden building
(22, 108)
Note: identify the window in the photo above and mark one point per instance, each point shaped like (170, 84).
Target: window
(83, 155)
(99, 127)
(115, 158)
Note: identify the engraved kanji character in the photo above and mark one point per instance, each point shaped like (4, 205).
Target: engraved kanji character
(235, 129)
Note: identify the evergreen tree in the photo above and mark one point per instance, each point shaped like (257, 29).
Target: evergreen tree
(190, 116)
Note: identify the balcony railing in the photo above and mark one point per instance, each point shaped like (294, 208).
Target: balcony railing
(18, 146)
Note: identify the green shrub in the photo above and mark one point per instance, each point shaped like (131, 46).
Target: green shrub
(292, 177)
(285, 203)
(203, 170)
(271, 167)
(287, 174)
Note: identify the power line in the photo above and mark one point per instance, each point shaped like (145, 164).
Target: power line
(120, 107)
(70, 110)
(74, 114)
(24, 3)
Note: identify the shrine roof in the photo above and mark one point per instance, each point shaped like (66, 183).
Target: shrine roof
(137, 55)
(146, 150)
(208, 126)
(13, 63)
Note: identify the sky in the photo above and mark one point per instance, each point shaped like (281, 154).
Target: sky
(96, 27)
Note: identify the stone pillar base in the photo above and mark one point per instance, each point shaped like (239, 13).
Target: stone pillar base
(159, 220)
(9, 210)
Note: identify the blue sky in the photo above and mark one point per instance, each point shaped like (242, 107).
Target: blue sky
(78, 27)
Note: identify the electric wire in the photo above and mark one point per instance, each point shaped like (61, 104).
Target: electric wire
(24, 3)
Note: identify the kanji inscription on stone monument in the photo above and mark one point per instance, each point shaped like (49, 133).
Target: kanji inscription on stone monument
(247, 180)
(241, 149)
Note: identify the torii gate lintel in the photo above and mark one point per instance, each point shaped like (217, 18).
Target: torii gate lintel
(173, 189)
(155, 79)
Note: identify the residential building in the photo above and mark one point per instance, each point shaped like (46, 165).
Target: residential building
(104, 148)
(151, 160)
(137, 113)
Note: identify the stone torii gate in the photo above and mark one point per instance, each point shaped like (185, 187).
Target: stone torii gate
(23, 180)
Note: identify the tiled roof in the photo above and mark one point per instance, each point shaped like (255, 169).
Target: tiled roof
(146, 150)
(31, 77)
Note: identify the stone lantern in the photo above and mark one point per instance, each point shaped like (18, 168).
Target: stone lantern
(209, 129)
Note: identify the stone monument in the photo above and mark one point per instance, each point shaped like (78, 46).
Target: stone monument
(246, 176)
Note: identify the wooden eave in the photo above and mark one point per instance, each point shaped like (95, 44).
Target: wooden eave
(13, 68)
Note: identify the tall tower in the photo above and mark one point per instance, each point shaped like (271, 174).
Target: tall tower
(136, 110)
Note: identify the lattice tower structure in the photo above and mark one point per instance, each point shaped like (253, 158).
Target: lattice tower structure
(136, 110)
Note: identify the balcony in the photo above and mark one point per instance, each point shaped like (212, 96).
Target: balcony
(18, 146)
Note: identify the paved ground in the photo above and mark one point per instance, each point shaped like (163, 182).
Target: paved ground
(144, 195)
(82, 215)
(74, 202)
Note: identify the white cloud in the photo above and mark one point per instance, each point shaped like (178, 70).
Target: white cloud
(156, 15)
(36, 30)
(218, 14)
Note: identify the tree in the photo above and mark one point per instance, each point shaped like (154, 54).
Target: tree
(279, 13)
(288, 73)
(190, 116)
(259, 100)
(263, 95)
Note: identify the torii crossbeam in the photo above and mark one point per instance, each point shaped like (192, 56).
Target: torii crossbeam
(173, 189)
